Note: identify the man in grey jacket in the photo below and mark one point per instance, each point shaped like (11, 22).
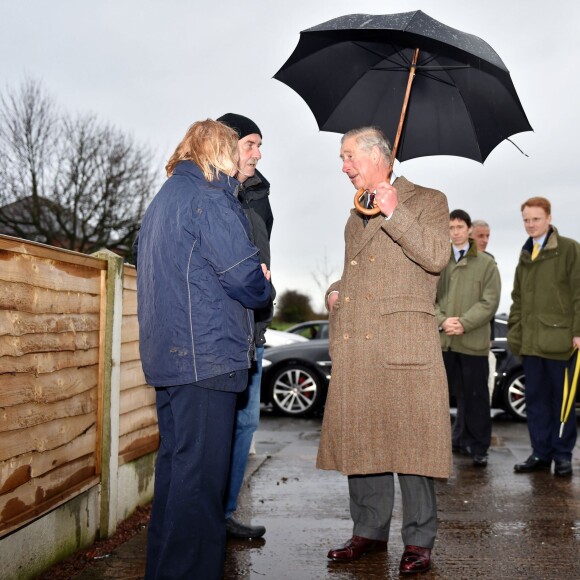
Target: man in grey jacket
(468, 296)
(253, 194)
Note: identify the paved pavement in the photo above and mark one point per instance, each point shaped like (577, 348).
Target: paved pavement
(493, 523)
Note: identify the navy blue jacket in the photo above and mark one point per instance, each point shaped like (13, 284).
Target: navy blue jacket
(198, 277)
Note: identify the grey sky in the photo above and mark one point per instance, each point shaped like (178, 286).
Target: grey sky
(153, 67)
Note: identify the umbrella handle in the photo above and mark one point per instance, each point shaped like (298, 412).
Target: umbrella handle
(361, 208)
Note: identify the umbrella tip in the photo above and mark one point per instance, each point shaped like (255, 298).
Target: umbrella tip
(517, 147)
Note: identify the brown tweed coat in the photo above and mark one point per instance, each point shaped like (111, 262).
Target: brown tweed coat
(388, 406)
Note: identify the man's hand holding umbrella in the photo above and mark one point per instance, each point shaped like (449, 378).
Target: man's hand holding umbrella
(386, 198)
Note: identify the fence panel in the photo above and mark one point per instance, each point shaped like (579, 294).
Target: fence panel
(138, 433)
(51, 308)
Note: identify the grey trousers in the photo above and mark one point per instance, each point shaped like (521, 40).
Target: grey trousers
(371, 507)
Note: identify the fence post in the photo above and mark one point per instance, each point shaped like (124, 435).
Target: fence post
(110, 378)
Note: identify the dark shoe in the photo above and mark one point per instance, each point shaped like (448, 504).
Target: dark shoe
(562, 467)
(415, 560)
(235, 529)
(532, 463)
(356, 547)
(460, 450)
(480, 460)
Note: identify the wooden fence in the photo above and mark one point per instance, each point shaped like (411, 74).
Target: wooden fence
(55, 361)
(138, 433)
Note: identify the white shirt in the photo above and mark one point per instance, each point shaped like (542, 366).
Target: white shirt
(540, 240)
(457, 250)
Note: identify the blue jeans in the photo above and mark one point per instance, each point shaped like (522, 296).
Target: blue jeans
(247, 419)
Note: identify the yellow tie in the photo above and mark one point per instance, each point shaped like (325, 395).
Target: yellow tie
(536, 250)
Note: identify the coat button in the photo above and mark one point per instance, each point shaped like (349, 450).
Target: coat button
(369, 296)
(372, 258)
(368, 336)
(345, 336)
(347, 299)
(353, 262)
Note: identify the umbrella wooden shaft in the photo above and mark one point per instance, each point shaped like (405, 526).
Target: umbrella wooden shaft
(358, 196)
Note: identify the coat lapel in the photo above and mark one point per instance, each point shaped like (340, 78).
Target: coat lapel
(361, 235)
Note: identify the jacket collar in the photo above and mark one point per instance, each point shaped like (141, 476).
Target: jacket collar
(255, 187)
(222, 181)
(472, 252)
(550, 244)
(355, 226)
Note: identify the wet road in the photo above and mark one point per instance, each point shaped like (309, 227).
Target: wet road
(493, 523)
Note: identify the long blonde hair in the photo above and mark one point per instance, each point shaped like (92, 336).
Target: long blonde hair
(211, 145)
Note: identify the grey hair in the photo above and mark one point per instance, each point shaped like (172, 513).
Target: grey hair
(480, 224)
(369, 137)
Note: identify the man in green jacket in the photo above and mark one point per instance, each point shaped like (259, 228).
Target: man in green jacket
(544, 329)
(468, 296)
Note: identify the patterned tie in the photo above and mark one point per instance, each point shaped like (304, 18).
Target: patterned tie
(370, 205)
(461, 252)
(536, 250)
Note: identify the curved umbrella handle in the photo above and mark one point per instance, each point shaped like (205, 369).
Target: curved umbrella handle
(361, 208)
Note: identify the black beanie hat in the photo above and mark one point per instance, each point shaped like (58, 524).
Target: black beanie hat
(240, 124)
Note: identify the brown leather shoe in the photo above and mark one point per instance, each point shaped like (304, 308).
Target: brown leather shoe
(356, 547)
(415, 560)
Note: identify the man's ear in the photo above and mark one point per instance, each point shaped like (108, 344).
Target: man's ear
(375, 154)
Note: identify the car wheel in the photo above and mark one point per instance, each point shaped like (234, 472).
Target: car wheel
(296, 391)
(514, 395)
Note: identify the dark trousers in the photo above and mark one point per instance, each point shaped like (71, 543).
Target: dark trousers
(467, 376)
(187, 536)
(371, 506)
(544, 392)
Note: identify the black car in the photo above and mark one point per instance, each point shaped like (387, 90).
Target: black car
(510, 382)
(311, 329)
(295, 377)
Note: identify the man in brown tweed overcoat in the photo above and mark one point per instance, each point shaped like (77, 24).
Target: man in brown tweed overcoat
(387, 410)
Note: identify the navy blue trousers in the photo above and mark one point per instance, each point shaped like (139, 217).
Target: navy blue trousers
(467, 376)
(544, 392)
(187, 536)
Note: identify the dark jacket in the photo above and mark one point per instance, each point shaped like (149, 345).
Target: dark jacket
(254, 196)
(545, 311)
(469, 289)
(198, 276)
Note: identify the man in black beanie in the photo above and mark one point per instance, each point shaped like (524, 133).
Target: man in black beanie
(253, 195)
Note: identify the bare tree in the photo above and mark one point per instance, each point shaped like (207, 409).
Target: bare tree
(69, 181)
(324, 275)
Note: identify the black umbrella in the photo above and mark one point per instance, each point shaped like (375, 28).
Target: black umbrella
(357, 70)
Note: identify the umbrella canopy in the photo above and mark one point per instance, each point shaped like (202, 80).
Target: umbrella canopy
(353, 71)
